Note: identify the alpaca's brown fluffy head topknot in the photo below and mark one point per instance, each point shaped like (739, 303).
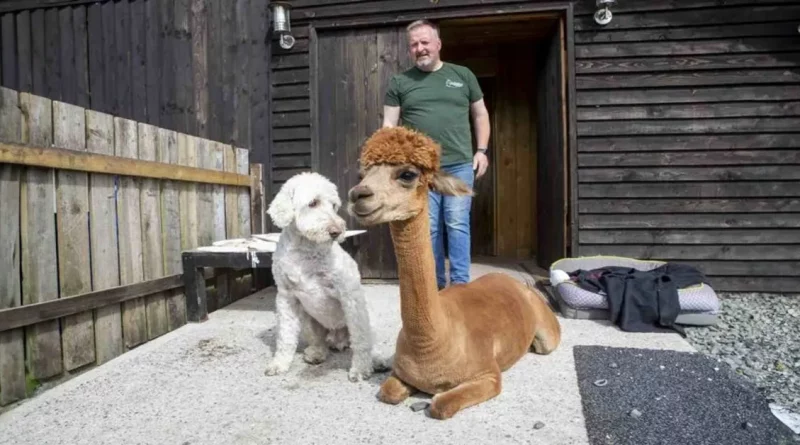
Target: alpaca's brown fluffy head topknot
(400, 145)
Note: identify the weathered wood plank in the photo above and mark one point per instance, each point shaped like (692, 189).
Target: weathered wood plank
(291, 119)
(738, 173)
(96, 49)
(214, 69)
(740, 93)
(769, 189)
(72, 228)
(38, 238)
(244, 216)
(227, 58)
(691, 111)
(291, 161)
(168, 75)
(80, 38)
(241, 77)
(171, 228)
(692, 221)
(38, 64)
(96, 163)
(690, 126)
(291, 134)
(290, 76)
(260, 94)
(12, 346)
(123, 82)
(681, 63)
(588, 8)
(138, 57)
(729, 47)
(291, 147)
(300, 91)
(693, 252)
(616, 205)
(188, 196)
(704, 17)
(203, 212)
(134, 316)
(748, 268)
(108, 23)
(152, 252)
(687, 78)
(786, 28)
(689, 142)
(198, 22)
(52, 55)
(285, 61)
(154, 55)
(302, 104)
(689, 237)
(282, 175)
(103, 235)
(685, 158)
(8, 56)
(24, 60)
(182, 52)
(785, 284)
(216, 160)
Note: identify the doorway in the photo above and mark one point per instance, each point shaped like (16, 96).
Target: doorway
(520, 211)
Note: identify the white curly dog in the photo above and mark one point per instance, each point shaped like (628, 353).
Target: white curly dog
(318, 283)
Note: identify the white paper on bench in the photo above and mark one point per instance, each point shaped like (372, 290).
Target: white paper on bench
(260, 243)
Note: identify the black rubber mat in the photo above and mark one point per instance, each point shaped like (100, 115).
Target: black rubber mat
(678, 398)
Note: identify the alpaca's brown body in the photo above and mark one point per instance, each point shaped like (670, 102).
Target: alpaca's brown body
(454, 343)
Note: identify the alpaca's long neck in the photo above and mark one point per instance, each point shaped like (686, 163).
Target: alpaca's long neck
(420, 307)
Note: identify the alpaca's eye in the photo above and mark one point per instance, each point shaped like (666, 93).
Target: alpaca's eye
(408, 175)
(313, 203)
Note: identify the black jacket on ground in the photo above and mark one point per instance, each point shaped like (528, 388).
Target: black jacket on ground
(641, 301)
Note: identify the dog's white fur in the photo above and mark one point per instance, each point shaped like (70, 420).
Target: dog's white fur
(318, 283)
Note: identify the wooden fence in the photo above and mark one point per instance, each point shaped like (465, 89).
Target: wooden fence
(95, 211)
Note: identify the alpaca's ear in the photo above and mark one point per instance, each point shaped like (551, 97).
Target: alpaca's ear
(281, 209)
(449, 185)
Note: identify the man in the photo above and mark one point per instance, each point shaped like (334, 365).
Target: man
(437, 98)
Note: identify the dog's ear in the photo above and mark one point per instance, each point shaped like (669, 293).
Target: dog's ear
(281, 209)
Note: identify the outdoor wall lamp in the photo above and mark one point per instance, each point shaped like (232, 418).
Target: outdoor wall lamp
(281, 23)
(603, 15)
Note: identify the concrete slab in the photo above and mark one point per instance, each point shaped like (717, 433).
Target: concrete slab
(204, 384)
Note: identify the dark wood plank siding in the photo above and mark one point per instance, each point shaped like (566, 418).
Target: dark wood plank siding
(688, 128)
(137, 59)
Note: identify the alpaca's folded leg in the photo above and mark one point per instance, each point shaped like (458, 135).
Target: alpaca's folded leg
(447, 404)
(393, 390)
(355, 311)
(315, 334)
(288, 312)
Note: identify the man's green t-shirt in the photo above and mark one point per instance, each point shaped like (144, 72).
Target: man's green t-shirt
(437, 104)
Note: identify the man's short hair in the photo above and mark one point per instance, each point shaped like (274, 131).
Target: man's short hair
(422, 22)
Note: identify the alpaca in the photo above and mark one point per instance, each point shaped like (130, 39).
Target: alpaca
(455, 343)
(318, 283)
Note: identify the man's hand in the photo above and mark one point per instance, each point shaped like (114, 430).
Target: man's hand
(480, 162)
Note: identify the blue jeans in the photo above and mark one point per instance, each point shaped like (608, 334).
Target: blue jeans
(452, 213)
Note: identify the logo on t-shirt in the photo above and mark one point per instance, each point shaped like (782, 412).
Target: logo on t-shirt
(453, 84)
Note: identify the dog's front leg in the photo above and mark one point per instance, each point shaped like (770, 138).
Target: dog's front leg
(314, 333)
(355, 311)
(288, 312)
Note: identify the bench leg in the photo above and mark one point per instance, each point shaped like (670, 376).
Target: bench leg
(195, 288)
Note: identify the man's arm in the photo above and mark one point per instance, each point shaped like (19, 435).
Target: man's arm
(391, 116)
(480, 117)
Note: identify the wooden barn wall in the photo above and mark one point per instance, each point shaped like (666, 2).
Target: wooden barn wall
(688, 123)
(199, 67)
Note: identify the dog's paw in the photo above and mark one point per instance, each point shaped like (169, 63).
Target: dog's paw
(315, 355)
(382, 364)
(357, 374)
(276, 367)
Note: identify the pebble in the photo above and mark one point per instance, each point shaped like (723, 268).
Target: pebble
(635, 413)
(601, 382)
(418, 406)
(751, 338)
(538, 425)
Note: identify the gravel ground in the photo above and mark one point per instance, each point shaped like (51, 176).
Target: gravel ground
(758, 335)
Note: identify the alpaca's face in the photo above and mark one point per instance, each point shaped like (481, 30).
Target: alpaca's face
(394, 193)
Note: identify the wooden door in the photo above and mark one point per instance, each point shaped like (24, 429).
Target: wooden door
(351, 71)
(552, 139)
